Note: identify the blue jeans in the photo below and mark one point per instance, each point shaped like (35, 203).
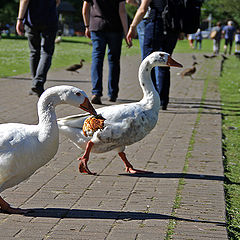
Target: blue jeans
(99, 42)
(41, 44)
(140, 31)
(155, 40)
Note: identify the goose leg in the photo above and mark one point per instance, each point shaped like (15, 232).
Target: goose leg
(83, 168)
(128, 165)
(5, 207)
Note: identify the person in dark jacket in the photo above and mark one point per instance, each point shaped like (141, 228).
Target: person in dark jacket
(156, 38)
(39, 19)
(229, 32)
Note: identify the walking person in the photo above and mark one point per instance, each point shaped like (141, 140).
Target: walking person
(40, 20)
(237, 41)
(191, 40)
(198, 39)
(217, 32)
(106, 24)
(156, 38)
(228, 31)
(141, 26)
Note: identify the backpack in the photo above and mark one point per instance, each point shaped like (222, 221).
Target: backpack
(182, 15)
(213, 34)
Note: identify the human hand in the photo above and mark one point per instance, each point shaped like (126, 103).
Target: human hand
(129, 43)
(58, 2)
(87, 33)
(131, 34)
(20, 27)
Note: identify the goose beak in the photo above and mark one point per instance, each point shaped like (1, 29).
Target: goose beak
(172, 63)
(87, 106)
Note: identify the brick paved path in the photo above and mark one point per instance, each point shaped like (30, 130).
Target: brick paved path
(184, 198)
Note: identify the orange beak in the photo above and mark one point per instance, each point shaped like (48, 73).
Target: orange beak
(172, 63)
(87, 106)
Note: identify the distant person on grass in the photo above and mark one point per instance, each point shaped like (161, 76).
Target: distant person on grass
(217, 38)
(40, 21)
(229, 32)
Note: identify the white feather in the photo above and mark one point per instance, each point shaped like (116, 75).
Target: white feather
(125, 124)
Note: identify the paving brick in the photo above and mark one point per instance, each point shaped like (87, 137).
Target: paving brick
(113, 204)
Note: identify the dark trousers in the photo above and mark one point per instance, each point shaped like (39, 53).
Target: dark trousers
(41, 44)
(156, 40)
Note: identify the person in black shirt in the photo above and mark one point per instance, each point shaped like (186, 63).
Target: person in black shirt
(106, 24)
(40, 20)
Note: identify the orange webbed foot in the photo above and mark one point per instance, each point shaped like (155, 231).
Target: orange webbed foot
(83, 168)
(136, 171)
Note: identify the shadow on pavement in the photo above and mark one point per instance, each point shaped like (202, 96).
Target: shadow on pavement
(101, 214)
(176, 175)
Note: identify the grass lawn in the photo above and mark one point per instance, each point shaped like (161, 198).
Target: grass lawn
(14, 53)
(14, 60)
(230, 96)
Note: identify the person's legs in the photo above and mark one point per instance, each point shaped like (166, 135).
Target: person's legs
(114, 41)
(195, 44)
(98, 53)
(218, 46)
(140, 31)
(148, 45)
(47, 49)
(230, 46)
(155, 40)
(34, 43)
(200, 44)
(225, 46)
(163, 73)
(214, 46)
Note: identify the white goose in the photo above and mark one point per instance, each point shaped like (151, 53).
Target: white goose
(125, 124)
(25, 148)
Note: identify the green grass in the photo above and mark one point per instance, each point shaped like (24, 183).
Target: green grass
(230, 96)
(14, 54)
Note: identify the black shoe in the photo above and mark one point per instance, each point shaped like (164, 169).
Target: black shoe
(164, 107)
(37, 90)
(32, 93)
(112, 99)
(96, 99)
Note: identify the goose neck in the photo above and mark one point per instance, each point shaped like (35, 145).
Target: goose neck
(149, 92)
(46, 114)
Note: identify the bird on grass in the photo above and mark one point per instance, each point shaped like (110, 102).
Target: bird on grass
(210, 57)
(189, 71)
(124, 124)
(194, 58)
(58, 39)
(224, 57)
(25, 148)
(75, 67)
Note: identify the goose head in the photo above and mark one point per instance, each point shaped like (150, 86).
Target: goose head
(162, 59)
(67, 95)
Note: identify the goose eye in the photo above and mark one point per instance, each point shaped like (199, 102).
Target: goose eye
(78, 94)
